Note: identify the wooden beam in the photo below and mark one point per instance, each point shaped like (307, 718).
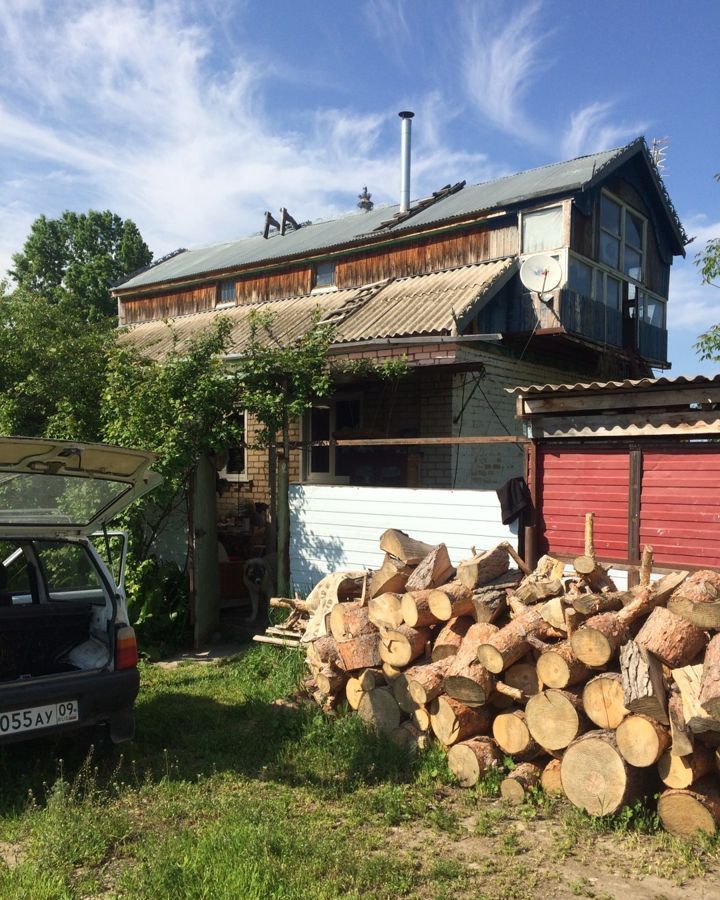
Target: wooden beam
(621, 398)
(421, 442)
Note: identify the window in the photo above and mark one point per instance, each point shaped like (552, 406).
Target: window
(226, 293)
(339, 417)
(325, 274)
(542, 230)
(622, 238)
(652, 310)
(235, 469)
(580, 278)
(69, 572)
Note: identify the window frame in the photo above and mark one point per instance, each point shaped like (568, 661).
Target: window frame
(528, 213)
(325, 285)
(238, 477)
(625, 210)
(225, 304)
(329, 477)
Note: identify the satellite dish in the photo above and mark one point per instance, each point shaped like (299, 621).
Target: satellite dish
(541, 273)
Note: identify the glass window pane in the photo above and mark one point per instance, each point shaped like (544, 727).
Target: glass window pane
(227, 291)
(347, 414)
(612, 292)
(581, 277)
(654, 312)
(632, 264)
(633, 230)
(68, 570)
(236, 461)
(325, 274)
(609, 250)
(320, 431)
(609, 215)
(542, 230)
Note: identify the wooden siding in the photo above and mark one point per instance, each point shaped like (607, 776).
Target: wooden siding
(168, 305)
(680, 506)
(274, 286)
(337, 527)
(428, 255)
(572, 483)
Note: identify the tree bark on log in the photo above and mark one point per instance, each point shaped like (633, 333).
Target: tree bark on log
(592, 604)
(471, 759)
(698, 599)
(555, 718)
(331, 681)
(593, 574)
(425, 683)
(489, 603)
(450, 601)
(596, 778)
(483, 568)
(531, 591)
(415, 609)
(349, 620)
(603, 700)
(642, 681)
(510, 643)
(697, 718)
(324, 650)
(550, 778)
(685, 812)
(674, 640)
(514, 789)
(453, 721)
(379, 710)
(641, 740)
(409, 738)
(683, 771)
(433, 570)
(709, 696)
(558, 667)
(391, 577)
(512, 735)
(402, 645)
(403, 547)
(466, 679)
(449, 639)
(360, 652)
(682, 737)
(385, 611)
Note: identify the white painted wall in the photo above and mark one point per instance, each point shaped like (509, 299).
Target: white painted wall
(338, 527)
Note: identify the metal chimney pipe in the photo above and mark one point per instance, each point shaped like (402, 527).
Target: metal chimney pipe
(405, 147)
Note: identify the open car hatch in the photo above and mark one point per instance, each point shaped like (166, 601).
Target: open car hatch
(68, 488)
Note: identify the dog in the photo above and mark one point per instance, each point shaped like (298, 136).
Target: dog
(259, 579)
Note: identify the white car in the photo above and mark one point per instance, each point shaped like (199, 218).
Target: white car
(68, 657)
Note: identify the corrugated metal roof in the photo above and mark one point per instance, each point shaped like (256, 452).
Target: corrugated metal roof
(419, 305)
(315, 238)
(627, 384)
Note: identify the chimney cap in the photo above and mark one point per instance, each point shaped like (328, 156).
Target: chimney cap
(406, 114)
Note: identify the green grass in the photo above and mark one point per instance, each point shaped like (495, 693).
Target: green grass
(224, 794)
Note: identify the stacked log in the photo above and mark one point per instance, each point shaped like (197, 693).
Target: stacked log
(621, 688)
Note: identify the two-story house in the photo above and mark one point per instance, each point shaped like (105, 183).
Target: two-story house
(438, 284)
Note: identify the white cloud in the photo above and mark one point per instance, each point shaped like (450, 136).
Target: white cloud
(591, 129)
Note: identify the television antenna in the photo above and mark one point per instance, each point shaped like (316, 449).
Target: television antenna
(541, 274)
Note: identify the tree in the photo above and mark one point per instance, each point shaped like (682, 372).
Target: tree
(77, 257)
(708, 261)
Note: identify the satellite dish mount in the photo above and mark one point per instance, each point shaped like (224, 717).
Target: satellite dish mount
(541, 274)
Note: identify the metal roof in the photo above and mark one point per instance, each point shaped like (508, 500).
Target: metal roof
(419, 305)
(314, 239)
(626, 385)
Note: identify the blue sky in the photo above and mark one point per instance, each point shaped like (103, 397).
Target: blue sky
(194, 117)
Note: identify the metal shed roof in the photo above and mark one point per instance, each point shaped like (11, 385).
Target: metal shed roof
(319, 237)
(626, 385)
(421, 305)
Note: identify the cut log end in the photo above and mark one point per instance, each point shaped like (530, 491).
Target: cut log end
(641, 740)
(594, 775)
(684, 813)
(470, 760)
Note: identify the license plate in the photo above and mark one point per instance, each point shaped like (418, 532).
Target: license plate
(38, 717)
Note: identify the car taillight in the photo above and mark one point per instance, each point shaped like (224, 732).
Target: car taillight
(126, 655)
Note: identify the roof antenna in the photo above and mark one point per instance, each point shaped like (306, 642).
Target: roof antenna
(658, 152)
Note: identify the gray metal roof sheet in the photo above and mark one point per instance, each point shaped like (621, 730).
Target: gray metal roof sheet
(414, 306)
(626, 385)
(323, 236)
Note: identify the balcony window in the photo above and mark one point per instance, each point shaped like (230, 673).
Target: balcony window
(652, 310)
(613, 292)
(622, 238)
(580, 278)
(542, 230)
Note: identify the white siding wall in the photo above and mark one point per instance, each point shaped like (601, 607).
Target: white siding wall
(337, 527)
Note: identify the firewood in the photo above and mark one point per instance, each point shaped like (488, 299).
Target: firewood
(324, 650)
(512, 735)
(682, 737)
(403, 547)
(642, 681)
(378, 709)
(516, 786)
(450, 601)
(554, 613)
(421, 718)
(409, 738)
(433, 570)
(449, 639)
(354, 692)
(550, 778)
(515, 556)
(466, 679)
(425, 682)
(685, 812)
(349, 620)
(399, 687)
(510, 643)
(289, 603)
(530, 591)
(331, 681)
(525, 677)
(698, 599)
(698, 720)
(415, 609)
(371, 678)
(391, 577)
(603, 700)
(674, 640)
(558, 667)
(641, 740)
(402, 645)
(596, 778)
(390, 672)
(490, 600)
(592, 604)
(453, 721)
(684, 771)
(593, 574)
(555, 718)
(709, 695)
(483, 568)
(385, 610)
(471, 759)
(360, 652)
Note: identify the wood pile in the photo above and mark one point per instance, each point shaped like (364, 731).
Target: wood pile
(602, 695)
